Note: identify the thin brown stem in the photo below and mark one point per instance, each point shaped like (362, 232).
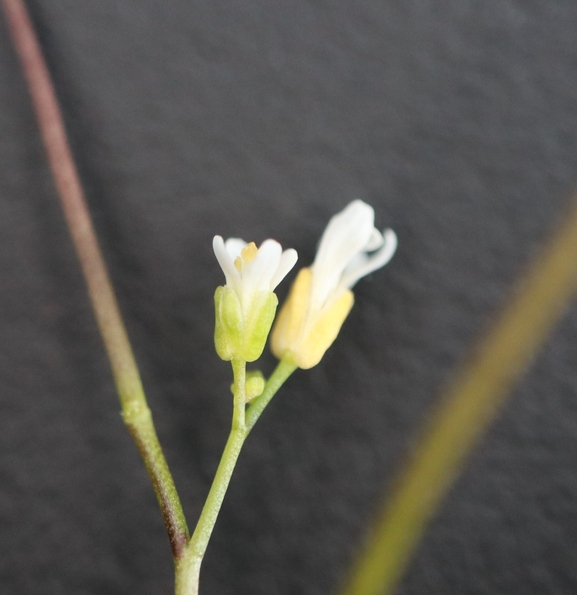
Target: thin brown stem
(127, 378)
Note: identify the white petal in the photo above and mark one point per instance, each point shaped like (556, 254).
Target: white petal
(287, 261)
(346, 235)
(258, 273)
(366, 264)
(234, 247)
(376, 241)
(225, 261)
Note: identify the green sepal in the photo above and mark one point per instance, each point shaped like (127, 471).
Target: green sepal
(242, 336)
(228, 323)
(257, 325)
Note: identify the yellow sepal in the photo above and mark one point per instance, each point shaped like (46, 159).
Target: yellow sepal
(303, 335)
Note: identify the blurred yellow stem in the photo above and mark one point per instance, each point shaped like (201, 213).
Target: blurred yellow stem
(464, 413)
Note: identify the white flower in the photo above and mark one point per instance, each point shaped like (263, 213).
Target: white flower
(320, 298)
(351, 248)
(249, 269)
(246, 305)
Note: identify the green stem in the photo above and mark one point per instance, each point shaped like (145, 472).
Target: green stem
(115, 338)
(239, 390)
(188, 567)
(138, 420)
(283, 370)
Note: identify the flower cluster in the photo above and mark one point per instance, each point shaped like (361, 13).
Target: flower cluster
(320, 298)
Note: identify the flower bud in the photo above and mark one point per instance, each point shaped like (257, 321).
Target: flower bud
(254, 385)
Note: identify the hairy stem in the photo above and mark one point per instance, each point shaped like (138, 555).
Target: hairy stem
(188, 568)
(126, 376)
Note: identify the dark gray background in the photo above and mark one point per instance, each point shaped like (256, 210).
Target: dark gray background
(455, 119)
